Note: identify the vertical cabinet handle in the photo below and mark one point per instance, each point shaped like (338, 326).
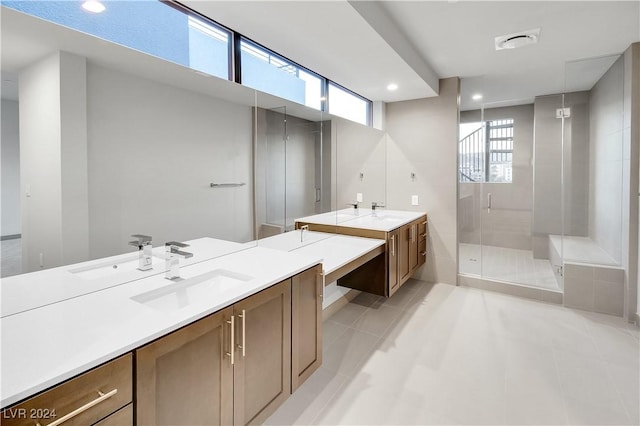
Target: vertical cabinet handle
(393, 245)
(232, 340)
(489, 202)
(413, 233)
(243, 345)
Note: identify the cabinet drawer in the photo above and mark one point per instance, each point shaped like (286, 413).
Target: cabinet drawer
(122, 417)
(422, 249)
(85, 399)
(422, 229)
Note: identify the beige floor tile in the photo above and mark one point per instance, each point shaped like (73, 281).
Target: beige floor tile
(349, 351)
(377, 319)
(458, 355)
(331, 331)
(349, 314)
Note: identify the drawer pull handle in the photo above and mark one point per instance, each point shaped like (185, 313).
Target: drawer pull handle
(232, 343)
(423, 235)
(424, 253)
(102, 397)
(393, 245)
(424, 223)
(243, 346)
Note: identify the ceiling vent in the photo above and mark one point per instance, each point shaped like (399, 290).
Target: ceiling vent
(515, 40)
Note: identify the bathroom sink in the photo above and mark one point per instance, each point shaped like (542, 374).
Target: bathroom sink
(112, 268)
(177, 295)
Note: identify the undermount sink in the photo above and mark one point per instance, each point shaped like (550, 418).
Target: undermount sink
(112, 268)
(183, 293)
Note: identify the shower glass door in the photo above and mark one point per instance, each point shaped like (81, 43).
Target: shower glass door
(501, 239)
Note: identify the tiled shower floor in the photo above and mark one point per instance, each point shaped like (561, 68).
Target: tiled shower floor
(506, 264)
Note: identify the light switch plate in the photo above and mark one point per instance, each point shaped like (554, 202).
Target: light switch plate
(414, 200)
(359, 197)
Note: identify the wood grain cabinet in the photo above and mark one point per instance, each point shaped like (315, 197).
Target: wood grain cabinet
(406, 248)
(262, 364)
(306, 325)
(186, 377)
(232, 367)
(83, 400)
(393, 242)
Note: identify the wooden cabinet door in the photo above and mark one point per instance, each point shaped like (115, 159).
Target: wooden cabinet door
(306, 325)
(403, 253)
(413, 247)
(186, 378)
(393, 255)
(262, 369)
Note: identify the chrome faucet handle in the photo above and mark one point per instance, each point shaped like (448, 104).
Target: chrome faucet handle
(354, 205)
(376, 205)
(142, 240)
(176, 244)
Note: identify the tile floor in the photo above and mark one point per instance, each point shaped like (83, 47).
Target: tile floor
(11, 260)
(505, 264)
(439, 354)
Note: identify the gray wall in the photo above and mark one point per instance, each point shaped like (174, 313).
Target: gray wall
(422, 138)
(10, 154)
(560, 157)
(509, 223)
(606, 147)
(359, 149)
(153, 150)
(53, 162)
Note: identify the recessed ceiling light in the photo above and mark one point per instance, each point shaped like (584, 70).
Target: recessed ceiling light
(512, 41)
(392, 86)
(476, 97)
(93, 6)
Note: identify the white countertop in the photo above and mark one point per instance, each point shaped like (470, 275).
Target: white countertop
(56, 284)
(334, 249)
(45, 346)
(382, 220)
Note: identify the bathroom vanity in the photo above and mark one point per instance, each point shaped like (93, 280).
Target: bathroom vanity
(226, 343)
(405, 245)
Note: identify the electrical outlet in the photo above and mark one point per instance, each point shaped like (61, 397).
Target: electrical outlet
(359, 197)
(414, 200)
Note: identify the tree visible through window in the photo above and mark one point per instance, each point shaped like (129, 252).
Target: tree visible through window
(486, 153)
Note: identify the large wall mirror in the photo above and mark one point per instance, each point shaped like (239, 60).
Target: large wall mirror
(100, 141)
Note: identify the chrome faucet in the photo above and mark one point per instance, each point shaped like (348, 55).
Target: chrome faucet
(302, 229)
(355, 207)
(375, 205)
(172, 262)
(143, 243)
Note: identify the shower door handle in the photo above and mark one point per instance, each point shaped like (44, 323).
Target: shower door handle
(489, 202)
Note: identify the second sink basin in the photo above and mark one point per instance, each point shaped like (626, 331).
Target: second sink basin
(106, 269)
(179, 294)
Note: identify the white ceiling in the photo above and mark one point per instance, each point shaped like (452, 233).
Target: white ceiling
(359, 44)
(365, 45)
